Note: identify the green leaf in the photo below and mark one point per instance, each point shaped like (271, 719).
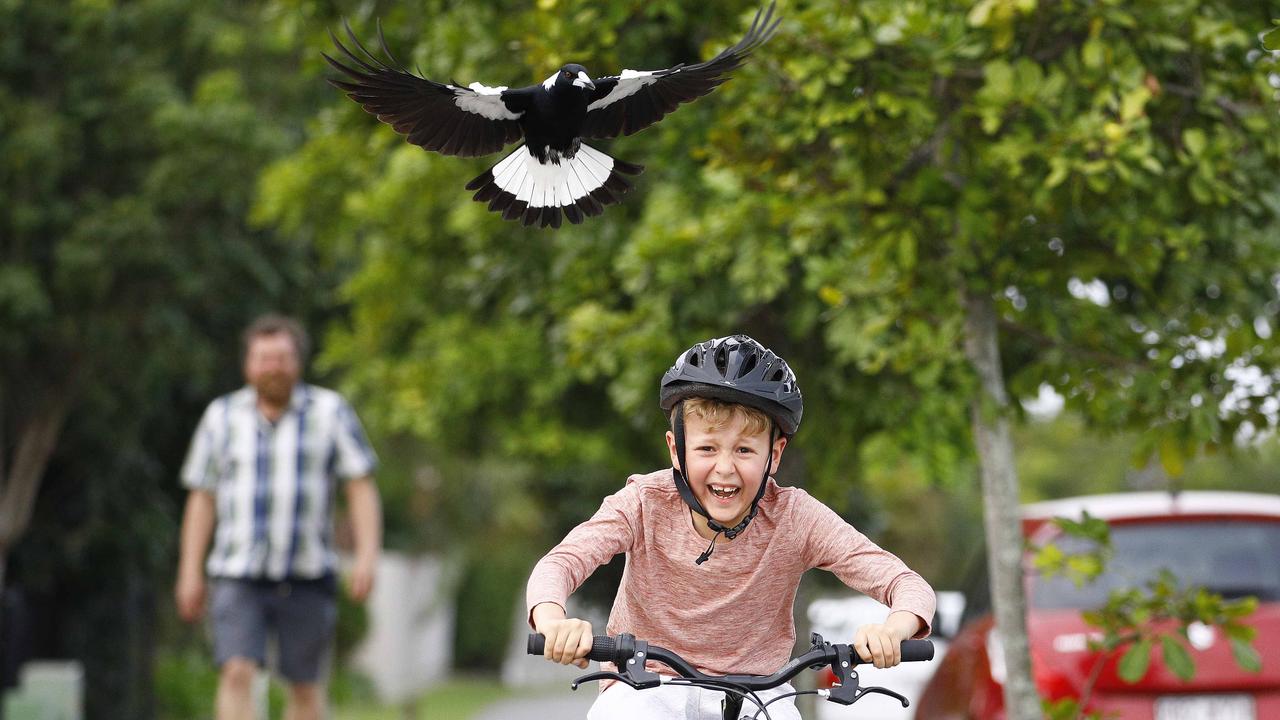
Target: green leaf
(1246, 655)
(999, 81)
(1271, 40)
(1094, 53)
(1176, 658)
(981, 13)
(1171, 456)
(1194, 140)
(1133, 665)
(1236, 631)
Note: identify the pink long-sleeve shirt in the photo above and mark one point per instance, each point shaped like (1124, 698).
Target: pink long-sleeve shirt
(732, 614)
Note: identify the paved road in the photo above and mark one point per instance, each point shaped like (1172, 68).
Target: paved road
(559, 703)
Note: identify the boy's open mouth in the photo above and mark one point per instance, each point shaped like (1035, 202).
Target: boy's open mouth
(723, 492)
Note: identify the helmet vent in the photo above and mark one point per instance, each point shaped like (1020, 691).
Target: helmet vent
(735, 369)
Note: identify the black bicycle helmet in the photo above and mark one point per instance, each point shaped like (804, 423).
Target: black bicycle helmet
(734, 369)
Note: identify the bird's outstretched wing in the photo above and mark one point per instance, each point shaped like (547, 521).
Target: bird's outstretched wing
(451, 120)
(626, 103)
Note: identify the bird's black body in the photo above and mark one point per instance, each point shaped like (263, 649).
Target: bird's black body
(555, 173)
(553, 123)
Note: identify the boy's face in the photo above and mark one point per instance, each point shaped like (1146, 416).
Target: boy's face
(726, 466)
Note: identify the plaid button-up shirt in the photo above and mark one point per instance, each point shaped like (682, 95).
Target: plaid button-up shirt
(274, 482)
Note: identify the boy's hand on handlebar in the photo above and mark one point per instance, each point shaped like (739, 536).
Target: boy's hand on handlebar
(568, 639)
(881, 645)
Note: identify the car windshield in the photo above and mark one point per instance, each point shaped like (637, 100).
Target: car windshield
(1233, 558)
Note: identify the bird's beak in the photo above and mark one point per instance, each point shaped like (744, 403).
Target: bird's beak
(584, 80)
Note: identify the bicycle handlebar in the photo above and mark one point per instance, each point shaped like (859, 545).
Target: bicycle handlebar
(625, 651)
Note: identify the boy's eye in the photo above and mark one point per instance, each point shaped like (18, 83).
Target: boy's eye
(744, 450)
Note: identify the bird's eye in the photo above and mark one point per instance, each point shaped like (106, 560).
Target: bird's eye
(566, 73)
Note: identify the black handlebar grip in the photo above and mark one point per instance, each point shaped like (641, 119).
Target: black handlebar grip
(917, 650)
(537, 643)
(602, 647)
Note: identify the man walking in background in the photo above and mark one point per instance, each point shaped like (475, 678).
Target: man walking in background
(261, 472)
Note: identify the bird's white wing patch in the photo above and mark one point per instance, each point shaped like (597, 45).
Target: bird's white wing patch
(483, 101)
(630, 82)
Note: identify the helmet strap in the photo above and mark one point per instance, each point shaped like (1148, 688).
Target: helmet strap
(686, 492)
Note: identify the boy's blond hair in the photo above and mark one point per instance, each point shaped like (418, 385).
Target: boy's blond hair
(718, 414)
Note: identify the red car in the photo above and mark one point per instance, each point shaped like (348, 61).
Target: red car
(1226, 541)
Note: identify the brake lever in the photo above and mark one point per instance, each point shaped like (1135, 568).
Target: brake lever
(846, 690)
(601, 675)
(883, 691)
(633, 672)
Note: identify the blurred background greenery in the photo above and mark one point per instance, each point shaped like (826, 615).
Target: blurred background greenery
(170, 168)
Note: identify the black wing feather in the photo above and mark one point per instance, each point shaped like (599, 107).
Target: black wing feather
(426, 112)
(622, 106)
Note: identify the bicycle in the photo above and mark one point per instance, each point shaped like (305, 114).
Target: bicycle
(630, 654)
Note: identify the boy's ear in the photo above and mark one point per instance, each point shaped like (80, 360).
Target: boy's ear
(778, 446)
(671, 447)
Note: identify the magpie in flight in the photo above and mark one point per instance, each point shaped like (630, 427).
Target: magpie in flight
(554, 172)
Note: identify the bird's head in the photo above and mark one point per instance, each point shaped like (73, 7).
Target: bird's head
(571, 76)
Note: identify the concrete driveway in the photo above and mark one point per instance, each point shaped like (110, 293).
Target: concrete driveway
(559, 702)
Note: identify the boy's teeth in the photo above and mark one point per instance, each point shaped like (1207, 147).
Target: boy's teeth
(723, 492)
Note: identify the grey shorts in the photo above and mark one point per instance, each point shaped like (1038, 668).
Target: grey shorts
(300, 616)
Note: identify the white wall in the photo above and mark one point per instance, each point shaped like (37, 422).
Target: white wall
(409, 646)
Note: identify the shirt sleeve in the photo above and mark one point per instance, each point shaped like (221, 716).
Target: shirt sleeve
(200, 469)
(354, 455)
(835, 545)
(612, 530)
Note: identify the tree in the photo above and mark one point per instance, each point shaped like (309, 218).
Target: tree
(930, 208)
(130, 137)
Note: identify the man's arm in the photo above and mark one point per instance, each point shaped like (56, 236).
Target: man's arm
(197, 528)
(366, 525)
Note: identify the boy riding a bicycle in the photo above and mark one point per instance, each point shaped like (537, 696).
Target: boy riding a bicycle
(726, 607)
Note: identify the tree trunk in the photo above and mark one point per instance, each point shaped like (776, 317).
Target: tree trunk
(1000, 505)
(20, 482)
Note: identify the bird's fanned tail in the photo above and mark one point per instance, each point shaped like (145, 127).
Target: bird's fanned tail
(531, 192)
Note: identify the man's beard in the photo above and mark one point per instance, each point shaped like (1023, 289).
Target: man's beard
(275, 389)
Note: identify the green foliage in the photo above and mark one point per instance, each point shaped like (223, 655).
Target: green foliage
(490, 584)
(1066, 709)
(1133, 617)
(868, 167)
(908, 151)
(1271, 39)
(185, 683)
(1133, 664)
(1079, 567)
(130, 135)
(1138, 620)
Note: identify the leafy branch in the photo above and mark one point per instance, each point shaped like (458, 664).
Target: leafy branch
(1137, 621)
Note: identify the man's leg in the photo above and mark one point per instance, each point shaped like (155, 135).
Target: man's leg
(305, 617)
(306, 702)
(238, 619)
(235, 690)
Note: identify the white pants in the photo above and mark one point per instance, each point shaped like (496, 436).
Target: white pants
(680, 702)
